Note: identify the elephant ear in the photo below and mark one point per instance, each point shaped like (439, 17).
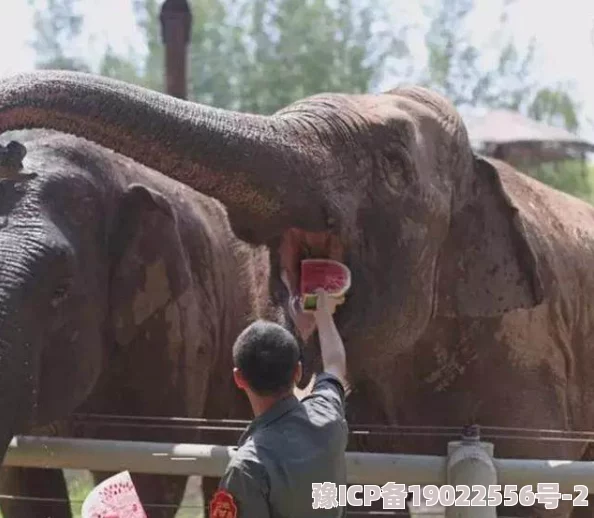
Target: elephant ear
(154, 309)
(488, 265)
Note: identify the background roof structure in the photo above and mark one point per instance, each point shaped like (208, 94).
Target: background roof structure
(508, 127)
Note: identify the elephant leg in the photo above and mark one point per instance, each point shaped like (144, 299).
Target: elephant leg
(161, 495)
(35, 483)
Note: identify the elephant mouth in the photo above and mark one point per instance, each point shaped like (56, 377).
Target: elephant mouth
(296, 245)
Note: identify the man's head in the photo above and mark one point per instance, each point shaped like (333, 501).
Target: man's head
(266, 358)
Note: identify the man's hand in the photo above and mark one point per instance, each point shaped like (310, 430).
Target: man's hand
(326, 304)
(304, 322)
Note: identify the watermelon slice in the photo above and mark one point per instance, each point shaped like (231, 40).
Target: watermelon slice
(330, 275)
(115, 497)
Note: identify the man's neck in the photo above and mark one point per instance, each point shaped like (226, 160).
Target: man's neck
(261, 404)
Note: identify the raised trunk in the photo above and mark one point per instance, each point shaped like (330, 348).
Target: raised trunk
(250, 163)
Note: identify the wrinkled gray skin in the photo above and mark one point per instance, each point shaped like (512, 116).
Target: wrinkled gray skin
(121, 292)
(472, 283)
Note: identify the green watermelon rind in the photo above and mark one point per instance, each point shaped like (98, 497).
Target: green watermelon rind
(310, 302)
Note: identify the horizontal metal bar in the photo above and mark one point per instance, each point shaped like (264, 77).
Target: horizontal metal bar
(105, 455)
(211, 460)
(198, 459)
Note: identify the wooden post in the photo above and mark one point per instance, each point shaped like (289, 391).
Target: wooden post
(176, 28)
(470, 462)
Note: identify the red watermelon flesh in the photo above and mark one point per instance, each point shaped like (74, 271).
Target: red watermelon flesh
(115, 497)
(332, 276)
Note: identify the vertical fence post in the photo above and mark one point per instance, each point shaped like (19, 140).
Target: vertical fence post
(470, 462)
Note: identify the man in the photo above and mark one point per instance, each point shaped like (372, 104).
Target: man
(290, 444)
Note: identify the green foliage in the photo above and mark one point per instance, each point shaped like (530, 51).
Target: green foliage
(252, 55)
(113, 65)
(147, 18)
(260, 55)
(570, 176)
(57, 24)
(457, 68)
(215, 54)
(555, 107)
(292, 49)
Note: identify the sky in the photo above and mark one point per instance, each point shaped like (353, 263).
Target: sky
(564, 33)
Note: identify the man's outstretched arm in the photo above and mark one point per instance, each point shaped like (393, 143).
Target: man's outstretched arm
(331, 345)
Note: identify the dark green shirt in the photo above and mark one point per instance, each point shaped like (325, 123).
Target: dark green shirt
(286, 449)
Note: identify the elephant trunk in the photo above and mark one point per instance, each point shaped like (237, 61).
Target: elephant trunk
(251, 163)
(17, 381)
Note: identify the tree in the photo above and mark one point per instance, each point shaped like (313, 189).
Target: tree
(298, 48)
(458, 69)
(263, 54)
(249, 55)
(555, 107)
(147, 18)
(57, 25)
(216, 52)
(118, 67)
(260, 55)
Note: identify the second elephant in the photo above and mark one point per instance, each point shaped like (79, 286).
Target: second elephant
(121, 292)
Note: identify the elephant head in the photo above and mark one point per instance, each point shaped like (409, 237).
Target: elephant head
(89, 260)
(386, 183)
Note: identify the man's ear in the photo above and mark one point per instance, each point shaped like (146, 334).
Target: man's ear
(298, 373)
(239, 379)
(488, 264)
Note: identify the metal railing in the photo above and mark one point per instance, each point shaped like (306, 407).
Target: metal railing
(468, 461)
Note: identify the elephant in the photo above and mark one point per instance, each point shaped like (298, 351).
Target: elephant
(471, 292)
(121, 292)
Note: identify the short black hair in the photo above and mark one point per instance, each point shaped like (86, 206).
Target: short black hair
(267, 355)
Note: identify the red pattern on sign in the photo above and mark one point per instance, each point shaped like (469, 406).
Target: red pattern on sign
(223, 505)
(115, 497)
